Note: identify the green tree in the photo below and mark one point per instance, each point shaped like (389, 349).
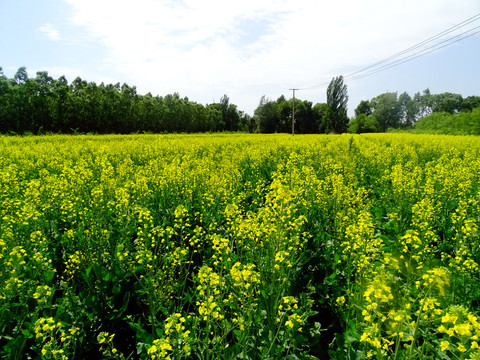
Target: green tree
(362, 124)
(276, 116)
(128, 117)
(337, 98)
(446, 102)
(304, 117)
(387, 111)
(42, 99)
(247, 122)
(21, 76)
(409, 110)
(320, 113)
(470, 103)
(6, 110)
(364, 108)
(266, 116)
(285, 114)
(424, 101)
(230, 114)
(59, 106)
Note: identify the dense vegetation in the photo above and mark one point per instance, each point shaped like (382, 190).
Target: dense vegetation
(43, 105)
(239, 246)
(444, 113)
(462, 123)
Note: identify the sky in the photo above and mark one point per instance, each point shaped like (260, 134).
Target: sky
(244, 49)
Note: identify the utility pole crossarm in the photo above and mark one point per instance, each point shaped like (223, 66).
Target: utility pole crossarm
(293, 112)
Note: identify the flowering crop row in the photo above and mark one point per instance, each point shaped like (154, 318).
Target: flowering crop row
(239, 246)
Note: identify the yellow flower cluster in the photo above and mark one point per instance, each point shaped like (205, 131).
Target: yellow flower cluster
(209, 291)
(73, 264)
(437, 279)
(107, 347)
(361, 248)
(53, 339)
(287, 310)
(460, 331)
(244, 276)
(42, 294)
(160, 349)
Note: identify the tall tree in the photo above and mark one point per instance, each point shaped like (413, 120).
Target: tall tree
(337, 98)
(42, 100)
(5, 105)
(470, 103)
(387, 111)
(59, 108)
(364, 108)
(266, 115)
(425, 102)
(230, 115)
(21, 76)
(284, 115)
(304, 117)
(447, 102)
(410, 110)
(320, 113)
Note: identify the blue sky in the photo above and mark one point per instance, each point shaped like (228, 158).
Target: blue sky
(204, 49)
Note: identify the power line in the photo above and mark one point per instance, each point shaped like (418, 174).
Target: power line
(398, 62)
(374, 68)
(424, 42)
(415, 55)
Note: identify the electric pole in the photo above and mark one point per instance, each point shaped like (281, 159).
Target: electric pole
(293, 112)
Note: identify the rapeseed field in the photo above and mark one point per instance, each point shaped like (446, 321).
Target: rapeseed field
(239, 247)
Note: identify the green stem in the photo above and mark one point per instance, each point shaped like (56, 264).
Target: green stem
(419, 318)
(276, 334)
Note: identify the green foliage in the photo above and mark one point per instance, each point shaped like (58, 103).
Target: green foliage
(387, 111)
(402, 112)
(446, 102)
(21, 76)
(463, 123)
(337, 99)
(276, 117)
(470, 103)
(363, 124)
(321, 111)
(409, 110)
(363, 108)
(231, 119)
(44, 105)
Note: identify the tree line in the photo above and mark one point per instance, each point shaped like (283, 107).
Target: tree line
(43, 104)
(425, 111)
(331, 117)
(393, 111)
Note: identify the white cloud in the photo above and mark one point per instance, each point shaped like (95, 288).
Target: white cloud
(249, 48)
(50, 31)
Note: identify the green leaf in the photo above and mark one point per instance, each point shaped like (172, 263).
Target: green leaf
(48, 275)
(126, 300)
(88, 270)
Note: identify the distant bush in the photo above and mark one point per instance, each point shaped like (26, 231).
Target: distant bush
(462, 123)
